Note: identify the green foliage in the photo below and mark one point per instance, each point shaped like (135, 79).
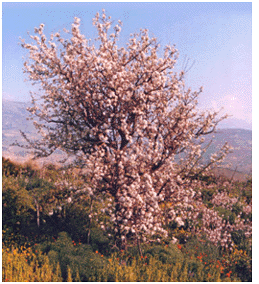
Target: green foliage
(226, 214)
(207, 194)
(241, 264)
(24, 265)
(66, 256)
(247, 193)
(76, 221)
(10, 169)
(36, 183)
(17, 204)
(170, 254)
(240, 240)
(197, 247)
(150, 269)
(13, 169)
(236, 209)
(196, 261)
(208, 178)
(83, 262)
(99, 241)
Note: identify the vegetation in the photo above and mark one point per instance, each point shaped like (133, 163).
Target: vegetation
(136, 202)
(126, 118)
(67, 247)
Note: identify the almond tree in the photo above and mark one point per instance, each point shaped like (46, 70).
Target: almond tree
(123, 113)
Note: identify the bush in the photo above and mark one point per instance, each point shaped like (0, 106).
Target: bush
(82, 261)
(10, 169)
(25, 266)
(241, 264)
(151, 269)
(68, 257)
(76, 221)
(99, 241)
(170, 254)
(17, 205)
(247, 194)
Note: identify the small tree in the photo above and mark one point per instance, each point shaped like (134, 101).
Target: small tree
(123, 113)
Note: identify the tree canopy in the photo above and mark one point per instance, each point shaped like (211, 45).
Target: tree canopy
(125, 114)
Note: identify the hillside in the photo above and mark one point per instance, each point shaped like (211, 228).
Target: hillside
(14, 119)
(241, 140)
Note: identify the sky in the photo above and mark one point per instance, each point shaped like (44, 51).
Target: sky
(215, 39)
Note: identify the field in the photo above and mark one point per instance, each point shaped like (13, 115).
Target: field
(49, 236)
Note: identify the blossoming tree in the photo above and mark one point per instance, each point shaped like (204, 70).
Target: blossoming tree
(125, 114)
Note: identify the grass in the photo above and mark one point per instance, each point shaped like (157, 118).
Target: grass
(23, 265)
(193, 262)
(59, 249)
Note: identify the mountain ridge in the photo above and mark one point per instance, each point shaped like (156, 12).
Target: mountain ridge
(14, 119)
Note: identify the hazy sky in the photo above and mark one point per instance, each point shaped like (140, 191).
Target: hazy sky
(216, 37)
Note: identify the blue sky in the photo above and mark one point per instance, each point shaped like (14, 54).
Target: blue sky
(216, 37)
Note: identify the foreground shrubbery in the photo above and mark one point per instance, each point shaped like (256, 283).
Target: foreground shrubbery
(24, 265)
(65, 260)
(136, 194)
(69, 245)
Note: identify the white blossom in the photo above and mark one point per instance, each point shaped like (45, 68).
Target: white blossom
(124, 115)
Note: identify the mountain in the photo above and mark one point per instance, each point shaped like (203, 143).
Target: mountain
(232, 122)
(14, 119)
(240, 158)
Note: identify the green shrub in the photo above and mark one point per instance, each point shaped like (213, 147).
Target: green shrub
(10, 169)
(70, 258)
(23, 265)
(226, 214)
(170, 254)
(151, 269)
(17, 205)
(76, 221)
(82, 261)
(247, 194)
(237, 208)
(99, 241)
(207, 194)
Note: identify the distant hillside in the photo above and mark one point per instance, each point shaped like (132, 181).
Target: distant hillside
(14, 119)
(241, 141)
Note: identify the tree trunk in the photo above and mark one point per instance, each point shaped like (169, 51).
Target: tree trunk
(139, 247)
(90, 222)
(38, 212)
